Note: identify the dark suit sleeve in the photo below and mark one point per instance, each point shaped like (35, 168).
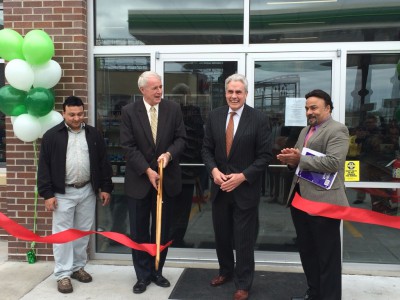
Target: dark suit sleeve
(208, 150)
(129, 142)
(263, 154)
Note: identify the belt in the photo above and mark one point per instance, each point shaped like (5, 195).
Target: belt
(78, 185)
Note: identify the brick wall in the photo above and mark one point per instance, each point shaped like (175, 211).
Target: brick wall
(65, 21)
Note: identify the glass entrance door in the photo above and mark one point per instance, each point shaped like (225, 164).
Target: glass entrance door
(279, 83)
(197, 83)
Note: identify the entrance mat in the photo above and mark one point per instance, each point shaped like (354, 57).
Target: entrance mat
(194, 284)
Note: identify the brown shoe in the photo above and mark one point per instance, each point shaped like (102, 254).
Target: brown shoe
(241, 295)
(64, 285)
(220, 280)
(81, 275)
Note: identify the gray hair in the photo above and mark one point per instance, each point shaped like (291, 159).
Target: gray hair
(237, 77)
(144, 77)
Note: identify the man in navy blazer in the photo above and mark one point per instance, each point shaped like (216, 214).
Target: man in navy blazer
(142, 155)
(236, 182)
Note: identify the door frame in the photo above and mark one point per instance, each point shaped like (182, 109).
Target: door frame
(160, 58)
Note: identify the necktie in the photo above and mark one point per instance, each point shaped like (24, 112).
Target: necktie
(153, 122)
(229, 133)
(309, 134)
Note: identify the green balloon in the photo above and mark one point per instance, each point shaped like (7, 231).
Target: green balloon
(38, 48)
(12, 101)
(39, 102)
(19, 110)
(11, 44)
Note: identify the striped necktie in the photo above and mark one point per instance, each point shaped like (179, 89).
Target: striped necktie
(153, 122)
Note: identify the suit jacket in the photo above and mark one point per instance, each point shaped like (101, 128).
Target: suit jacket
(141, 152)
(332, 139)
(250, 152)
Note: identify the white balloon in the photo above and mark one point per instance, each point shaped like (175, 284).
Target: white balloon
(26, 127)
(13, 119)
(50, 120)
(19, 74)
(46, 75)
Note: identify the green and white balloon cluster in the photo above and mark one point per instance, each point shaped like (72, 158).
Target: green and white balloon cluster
(31, 73)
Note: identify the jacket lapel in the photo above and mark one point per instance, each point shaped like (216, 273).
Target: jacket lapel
(162, 120)
(144, 121)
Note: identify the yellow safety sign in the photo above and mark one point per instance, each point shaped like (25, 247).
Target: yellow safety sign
(352, 170)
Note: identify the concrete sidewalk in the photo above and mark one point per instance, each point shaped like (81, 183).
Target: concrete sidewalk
(20, 280)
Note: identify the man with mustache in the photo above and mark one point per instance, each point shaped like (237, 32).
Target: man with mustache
(318, 238)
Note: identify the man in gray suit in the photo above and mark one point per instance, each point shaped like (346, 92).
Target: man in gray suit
(151, 129)
(318, 238)
(236, 168)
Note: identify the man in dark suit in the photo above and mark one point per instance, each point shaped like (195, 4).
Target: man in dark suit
(318, 238)
(152, 129)
(236, 168)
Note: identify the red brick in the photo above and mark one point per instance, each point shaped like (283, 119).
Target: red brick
(66, 23)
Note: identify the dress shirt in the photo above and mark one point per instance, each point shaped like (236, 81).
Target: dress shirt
(236, 118)
(78, 162)
(148, 106)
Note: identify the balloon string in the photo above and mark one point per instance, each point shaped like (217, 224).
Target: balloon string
(35, 150)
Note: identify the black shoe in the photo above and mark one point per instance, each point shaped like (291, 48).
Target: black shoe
(140, 286)
(160, 281)
(307, 296)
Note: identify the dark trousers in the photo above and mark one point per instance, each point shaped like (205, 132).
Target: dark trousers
(235, 229)
(141, 212)
(318, 240)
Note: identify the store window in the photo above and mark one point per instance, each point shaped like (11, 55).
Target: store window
(126, 22)
(278, 21)
(116, 85)
(373, 119)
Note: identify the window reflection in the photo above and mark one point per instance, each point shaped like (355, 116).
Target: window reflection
(199, 87)
(116, 85)
(142, 22)
(275, 82)
(373, 118)
(333, 21)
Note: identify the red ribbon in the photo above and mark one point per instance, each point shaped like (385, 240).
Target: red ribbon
(20, 232)
(345, 212)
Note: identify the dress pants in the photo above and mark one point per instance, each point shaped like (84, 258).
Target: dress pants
(141, 213)
(235, 228)
(76, 209)
(318, 240)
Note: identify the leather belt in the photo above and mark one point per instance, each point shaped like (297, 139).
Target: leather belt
(78, 185)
